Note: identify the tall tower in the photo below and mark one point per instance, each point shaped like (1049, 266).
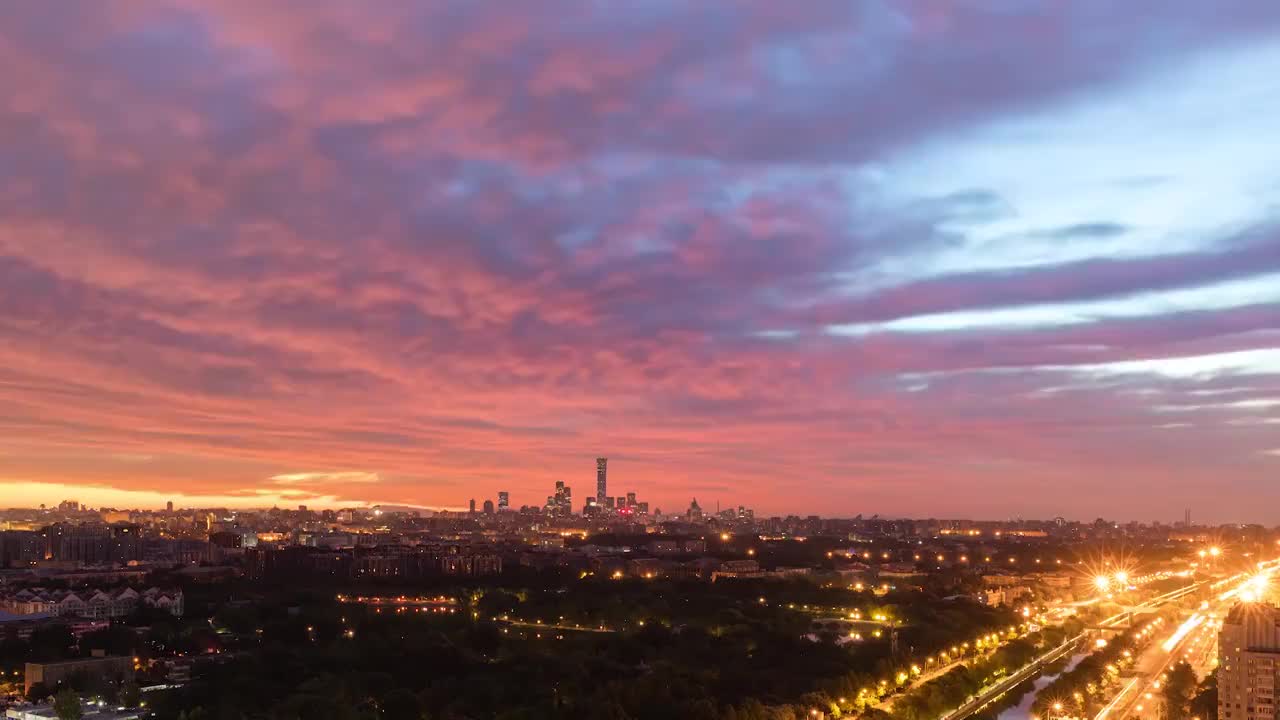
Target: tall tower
(602, 488)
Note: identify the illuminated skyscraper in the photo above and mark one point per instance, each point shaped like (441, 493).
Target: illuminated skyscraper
(504, 500)
(602, 465)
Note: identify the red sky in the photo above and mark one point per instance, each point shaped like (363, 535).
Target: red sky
(919, 258)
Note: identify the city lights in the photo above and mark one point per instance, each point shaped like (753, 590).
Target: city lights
(449, 359)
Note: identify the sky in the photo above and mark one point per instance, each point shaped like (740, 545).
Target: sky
(949, 258)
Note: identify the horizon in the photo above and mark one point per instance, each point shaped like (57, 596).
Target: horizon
(903, 258)
(515, 508)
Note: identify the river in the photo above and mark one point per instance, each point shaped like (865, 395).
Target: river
(1022, 711)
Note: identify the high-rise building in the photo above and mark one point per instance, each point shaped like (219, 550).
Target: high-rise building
(20, 548)
(1249, 662)
(473, 506)
(631, 499)
(168, 506)
(567, 507)
(126, 543)
(504, 500)
(488, 507)
(602, 482)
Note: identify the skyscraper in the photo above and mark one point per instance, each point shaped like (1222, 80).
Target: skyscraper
(473, 506)
(504, 500)
(1249, 662)
(488, 507)
(602, 488)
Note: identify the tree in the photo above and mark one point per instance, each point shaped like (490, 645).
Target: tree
(115, 640)
(39, 691)
(401, 704)
(50, 643)
(66, 705)
(130, 694)
(1205, 703)
(1178, 690)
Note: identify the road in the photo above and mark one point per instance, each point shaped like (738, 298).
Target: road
(1195, 641)
(558, 626)
(1027, 671)
(887, 703)
(986, 697)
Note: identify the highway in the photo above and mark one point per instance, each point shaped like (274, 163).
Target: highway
(1194, 641)
(1138, 696)
(1033, 668)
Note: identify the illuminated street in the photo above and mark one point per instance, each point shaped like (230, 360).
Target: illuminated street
(1194, 641)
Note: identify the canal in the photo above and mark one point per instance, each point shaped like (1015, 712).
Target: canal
(1022, 711)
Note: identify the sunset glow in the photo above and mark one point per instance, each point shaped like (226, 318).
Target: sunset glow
(828, 256)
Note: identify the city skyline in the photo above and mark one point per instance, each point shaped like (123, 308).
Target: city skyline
(499, 501)
(824, 258)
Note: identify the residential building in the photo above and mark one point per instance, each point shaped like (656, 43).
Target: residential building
(111, 668)
(90, 603)
(1248, 660)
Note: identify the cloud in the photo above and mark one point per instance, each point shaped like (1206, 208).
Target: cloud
(325, 478)
(1092, 229)
(30, 493)
(463, 248)
(1258, 253)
